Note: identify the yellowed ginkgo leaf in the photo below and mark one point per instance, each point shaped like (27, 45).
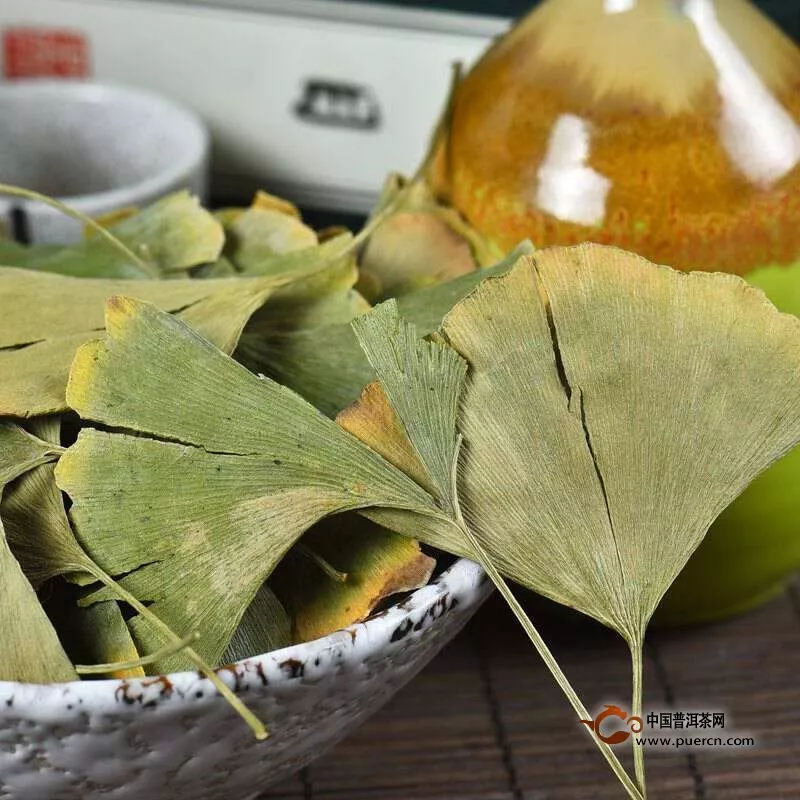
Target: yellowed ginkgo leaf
(420, 243)
(255, 236)
(612, 409)
(376, 563)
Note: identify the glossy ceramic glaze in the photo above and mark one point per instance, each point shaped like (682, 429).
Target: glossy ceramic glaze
(174, 737)
(667, 127)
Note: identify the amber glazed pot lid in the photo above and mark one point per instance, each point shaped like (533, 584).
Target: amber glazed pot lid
(665, 127)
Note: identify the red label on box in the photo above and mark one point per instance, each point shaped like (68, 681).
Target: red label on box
(45, 52)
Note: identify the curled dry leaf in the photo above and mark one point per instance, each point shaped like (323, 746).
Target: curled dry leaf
(31, 650)
(21, 451)
(377, 564)
(422, 242)
(171, 235)
(256, 236)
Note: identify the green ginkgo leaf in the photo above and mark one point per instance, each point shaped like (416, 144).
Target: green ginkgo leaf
(47, 317)
(318, 354)
(21, 451)
(225, 473)
(31, 650)
(265, 626)
(171, 235)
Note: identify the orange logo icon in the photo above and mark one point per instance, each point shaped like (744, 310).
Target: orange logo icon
(634, 723)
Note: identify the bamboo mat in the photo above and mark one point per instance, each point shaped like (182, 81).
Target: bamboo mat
(484, 721)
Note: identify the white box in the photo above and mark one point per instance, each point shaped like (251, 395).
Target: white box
(312, 99)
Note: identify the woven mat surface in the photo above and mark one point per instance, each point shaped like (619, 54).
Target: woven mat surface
(484, 721)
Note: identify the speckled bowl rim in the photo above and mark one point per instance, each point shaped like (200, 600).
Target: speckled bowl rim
(194, 153)
(365, 641)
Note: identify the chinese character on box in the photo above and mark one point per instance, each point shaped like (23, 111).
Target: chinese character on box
(45, 53)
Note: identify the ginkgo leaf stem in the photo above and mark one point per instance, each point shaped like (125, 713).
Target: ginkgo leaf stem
(534, 635)
(636, 711)
(334, 574)
(29, 194)
(247, 715)
(122, 666)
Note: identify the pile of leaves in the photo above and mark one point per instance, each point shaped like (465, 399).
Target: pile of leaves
(219, 445)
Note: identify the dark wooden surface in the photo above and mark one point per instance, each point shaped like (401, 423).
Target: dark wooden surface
(484, 721)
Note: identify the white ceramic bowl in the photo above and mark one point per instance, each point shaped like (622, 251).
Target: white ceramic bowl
(174, 738)
(96, 147)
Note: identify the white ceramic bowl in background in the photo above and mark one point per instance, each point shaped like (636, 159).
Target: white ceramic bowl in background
(174, 737)
(96, 147)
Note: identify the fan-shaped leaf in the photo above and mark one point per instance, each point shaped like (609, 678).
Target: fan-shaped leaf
(47, 317)
(242, 468)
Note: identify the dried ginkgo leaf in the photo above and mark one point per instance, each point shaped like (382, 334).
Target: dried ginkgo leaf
(21, 451)
(51, 549)
(235, 467)
(376, 563)
(47, 317)
(422, 382)
(421, 242)
(274, 338)
(36, 524)
(254, 236)
(41, 539)
(321, 358)
(753, 548)
(105, 638)
(612, 409)
(171, 235)
(272, 202)
(31, 650)
(265, 626)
